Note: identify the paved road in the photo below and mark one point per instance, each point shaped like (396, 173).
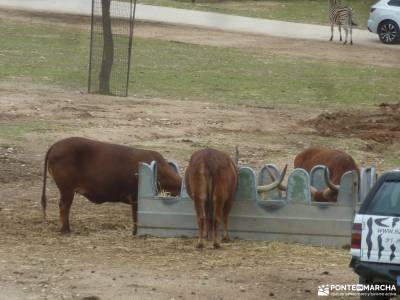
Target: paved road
(197, 18)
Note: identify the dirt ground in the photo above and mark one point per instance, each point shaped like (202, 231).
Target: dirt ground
(100, 259)
(382, 125)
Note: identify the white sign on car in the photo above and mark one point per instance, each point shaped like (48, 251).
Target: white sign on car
(380, 239)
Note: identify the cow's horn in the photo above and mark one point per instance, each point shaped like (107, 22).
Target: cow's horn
(272, 175)
(313, 190)
(275, 184)
(329, 183)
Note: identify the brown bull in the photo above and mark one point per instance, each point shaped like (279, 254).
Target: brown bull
(336, 161)
(101, 172)
(211, 181)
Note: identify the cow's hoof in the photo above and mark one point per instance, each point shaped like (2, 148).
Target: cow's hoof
(200, 245)
(217, 245)
(226, 239)
(65, 231)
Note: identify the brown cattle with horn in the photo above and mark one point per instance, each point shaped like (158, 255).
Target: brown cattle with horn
(101, 172)
(211, 181)
(336, 161)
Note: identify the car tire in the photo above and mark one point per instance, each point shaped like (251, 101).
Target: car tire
(389, 32)
(363, 280)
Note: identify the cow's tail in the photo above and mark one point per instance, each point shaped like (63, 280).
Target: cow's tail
(44, 198)
(210, 211)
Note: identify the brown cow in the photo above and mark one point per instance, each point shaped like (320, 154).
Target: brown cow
(211, 181)
(101, 172)
(336, 161)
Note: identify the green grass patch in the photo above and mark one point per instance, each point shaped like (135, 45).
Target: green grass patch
(203, 73)
(17, 130)
(43, 53)
(303, 11)
(393, 162)
(242, 77)
(6, 145)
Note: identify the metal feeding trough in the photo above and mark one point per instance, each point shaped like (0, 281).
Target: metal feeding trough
(278, 216)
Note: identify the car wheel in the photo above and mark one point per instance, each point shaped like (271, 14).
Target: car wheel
(388, 32)
(363, 280)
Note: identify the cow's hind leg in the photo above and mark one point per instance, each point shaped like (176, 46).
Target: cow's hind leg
(206, 229)
(201, 220)
(227, 209)
(218, 210)
(340, 32)
(67, 196)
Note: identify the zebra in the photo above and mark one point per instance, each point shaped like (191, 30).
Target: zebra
(342, 16)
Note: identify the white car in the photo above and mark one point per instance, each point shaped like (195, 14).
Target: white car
(384, 19)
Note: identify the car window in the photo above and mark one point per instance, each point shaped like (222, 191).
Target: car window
(394, 3)
(386, 201)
